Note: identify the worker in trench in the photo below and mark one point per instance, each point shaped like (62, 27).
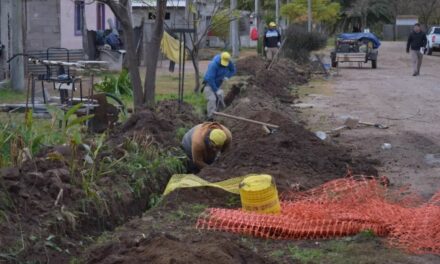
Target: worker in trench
(220, 69)
(204, 143)
(272, 41)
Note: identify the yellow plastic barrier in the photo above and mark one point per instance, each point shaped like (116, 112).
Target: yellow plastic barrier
(258, 193)
(190, 180)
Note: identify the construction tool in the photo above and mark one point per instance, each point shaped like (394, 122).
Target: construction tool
(351, 123)
(270, 128)
(276, 55)
(376, 125)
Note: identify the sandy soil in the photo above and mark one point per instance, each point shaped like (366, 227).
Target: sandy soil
(392, 96)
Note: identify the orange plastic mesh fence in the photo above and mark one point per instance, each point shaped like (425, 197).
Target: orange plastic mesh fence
(341, 207)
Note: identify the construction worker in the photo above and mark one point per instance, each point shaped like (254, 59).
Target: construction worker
(272, 41)
(204, 143)
(221, 68)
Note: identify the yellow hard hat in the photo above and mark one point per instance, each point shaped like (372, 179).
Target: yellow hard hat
(217, 137)
(225, 57)
(272, 24)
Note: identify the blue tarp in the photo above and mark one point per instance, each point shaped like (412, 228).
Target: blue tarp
(359, 36)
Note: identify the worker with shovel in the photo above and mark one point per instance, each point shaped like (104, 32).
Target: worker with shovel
(204, 143)
(220, 69)
(272, 41)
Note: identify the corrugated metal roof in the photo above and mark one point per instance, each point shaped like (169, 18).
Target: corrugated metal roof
(152, 3)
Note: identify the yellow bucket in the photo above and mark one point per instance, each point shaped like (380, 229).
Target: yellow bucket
(258, 193)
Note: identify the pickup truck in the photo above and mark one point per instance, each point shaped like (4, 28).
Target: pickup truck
(433, 40)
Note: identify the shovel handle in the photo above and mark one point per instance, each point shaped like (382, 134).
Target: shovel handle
(246, 120)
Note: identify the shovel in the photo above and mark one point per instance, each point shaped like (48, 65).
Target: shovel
(376, 125)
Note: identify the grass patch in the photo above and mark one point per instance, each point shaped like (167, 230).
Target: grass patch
(8, 95)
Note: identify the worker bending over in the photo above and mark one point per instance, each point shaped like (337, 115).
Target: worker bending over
(204, 143)
(221, 68)
(272, 41)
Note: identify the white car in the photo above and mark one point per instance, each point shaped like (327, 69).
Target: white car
(433, 39)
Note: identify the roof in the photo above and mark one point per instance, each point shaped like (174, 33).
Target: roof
(152, 3)
(407, 17)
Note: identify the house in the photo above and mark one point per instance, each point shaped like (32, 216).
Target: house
(51, 23)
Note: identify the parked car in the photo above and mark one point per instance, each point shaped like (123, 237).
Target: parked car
(433, 40)
(356, 47)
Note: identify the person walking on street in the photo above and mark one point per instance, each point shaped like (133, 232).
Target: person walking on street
(220, 69)
(272, 41)
(204, 143)
(416, 45)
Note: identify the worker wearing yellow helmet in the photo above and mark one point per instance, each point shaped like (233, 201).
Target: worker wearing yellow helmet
(272, 40)
(221, 68)
(204, 143)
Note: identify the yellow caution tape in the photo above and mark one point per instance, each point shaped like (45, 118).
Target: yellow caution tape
(190, 181)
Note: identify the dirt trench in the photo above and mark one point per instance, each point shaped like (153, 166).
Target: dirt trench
(49, 215)
(292, 154)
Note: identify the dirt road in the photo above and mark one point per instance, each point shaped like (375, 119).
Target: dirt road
(389, 95)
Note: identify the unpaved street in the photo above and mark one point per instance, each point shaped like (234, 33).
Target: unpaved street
(392, 96)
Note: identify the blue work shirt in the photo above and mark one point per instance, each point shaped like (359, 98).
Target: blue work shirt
(216, 73)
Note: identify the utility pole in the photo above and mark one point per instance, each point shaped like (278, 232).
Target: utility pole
(309, 15)
(234, 30)
(17, 64)
(277, 12)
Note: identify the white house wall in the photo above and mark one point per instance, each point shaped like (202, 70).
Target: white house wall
(67, 19)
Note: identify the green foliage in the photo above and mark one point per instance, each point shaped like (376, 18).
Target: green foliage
(7, 95)
(299, 43)
(324, 11)
(117, 85)
(220, 23)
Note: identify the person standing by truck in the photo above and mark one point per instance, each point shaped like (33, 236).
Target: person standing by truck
(416, 45)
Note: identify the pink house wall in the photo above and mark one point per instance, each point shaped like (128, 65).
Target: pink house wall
(67, 19)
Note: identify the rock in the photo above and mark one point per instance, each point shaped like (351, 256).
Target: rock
(12, 174)
(63, 174)
(36, 178)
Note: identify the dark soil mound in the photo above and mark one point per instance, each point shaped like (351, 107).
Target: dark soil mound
(165, 249)
(250, 65)
(292, 154)
(158, 126)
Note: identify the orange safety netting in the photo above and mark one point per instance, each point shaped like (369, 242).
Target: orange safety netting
(341, 207)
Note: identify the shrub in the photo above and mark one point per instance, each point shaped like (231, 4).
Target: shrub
(299, 43)
(117, 85)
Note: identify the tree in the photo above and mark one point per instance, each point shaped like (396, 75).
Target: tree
(122, 11)
(152, 54)
(323, 11)
(142, 96)
(427, 10)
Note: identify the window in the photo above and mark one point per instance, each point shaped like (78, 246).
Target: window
(100, 16)
(152, 16)
(79, 23)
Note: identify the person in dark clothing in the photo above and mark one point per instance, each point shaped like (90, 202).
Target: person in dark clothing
(272, 40)
(416, 45)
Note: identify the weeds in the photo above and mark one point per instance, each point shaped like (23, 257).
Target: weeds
(306, 255)
(117, 85)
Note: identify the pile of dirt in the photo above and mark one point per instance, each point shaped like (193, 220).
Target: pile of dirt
(166, 248)
(292, 154)
(160, 125)
(250, 65)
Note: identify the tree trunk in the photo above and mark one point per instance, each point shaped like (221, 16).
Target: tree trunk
(152, 54)
(195, 61)
(122, 11)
